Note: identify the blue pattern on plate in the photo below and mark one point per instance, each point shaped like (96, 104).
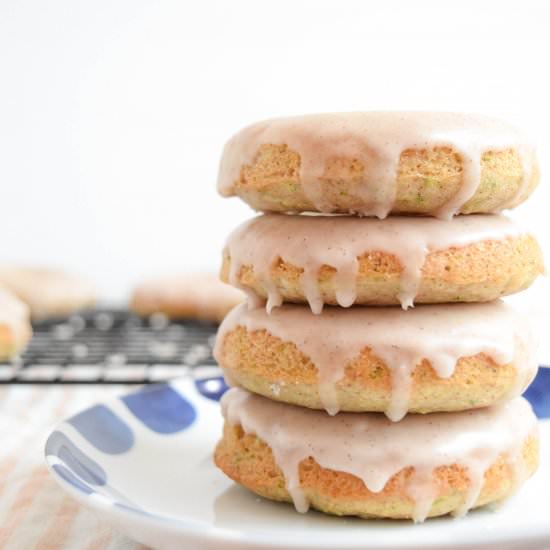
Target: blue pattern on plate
(161, 408)
(212, 387)
(84, 467)
(538, 393)
(104, 429)
(165, 411)
(69, 477)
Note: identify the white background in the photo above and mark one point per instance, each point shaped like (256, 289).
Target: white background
(113, 114)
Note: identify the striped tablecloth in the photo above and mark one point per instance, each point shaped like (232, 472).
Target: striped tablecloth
(34, 512)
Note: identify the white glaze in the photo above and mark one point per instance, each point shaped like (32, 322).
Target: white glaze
(310, 242)
(374, 449)
(377, 140)
(441, 334)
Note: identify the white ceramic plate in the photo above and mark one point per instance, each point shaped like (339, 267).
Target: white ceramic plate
(144, 463)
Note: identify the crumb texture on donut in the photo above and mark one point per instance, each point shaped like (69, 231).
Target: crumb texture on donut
(478, 272)
(426, 180)
(249, 461)
(266, 365)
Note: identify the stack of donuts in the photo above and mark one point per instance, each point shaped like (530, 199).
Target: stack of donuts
(375, 371)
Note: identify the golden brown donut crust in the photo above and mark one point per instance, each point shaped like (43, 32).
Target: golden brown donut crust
(266, 365)
(13, 342)
(200, 296)
(426, 180)
(249, 461)
(48, 292)
(212, 313)
(479, 272)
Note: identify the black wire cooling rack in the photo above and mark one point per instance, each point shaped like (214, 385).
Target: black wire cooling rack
(111, 346)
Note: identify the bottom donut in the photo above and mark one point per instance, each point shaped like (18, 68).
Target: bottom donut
(365, 465)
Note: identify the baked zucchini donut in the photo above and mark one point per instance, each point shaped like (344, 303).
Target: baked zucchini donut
(199, 296)
(15, 326)
(448, 357)
(343, 260)
(364, 465)
(380, 163)
(48, 292)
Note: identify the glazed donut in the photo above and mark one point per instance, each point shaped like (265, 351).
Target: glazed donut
(380, 163)
(186, 296)
(48, 292)
(447, 357)
(365, 465)
(341, 260)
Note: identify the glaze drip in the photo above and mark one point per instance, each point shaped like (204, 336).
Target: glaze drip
(441, 334)
(310, 242)
(376, 140)
(377, 449)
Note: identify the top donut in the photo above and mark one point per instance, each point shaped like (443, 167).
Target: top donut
(380, 163)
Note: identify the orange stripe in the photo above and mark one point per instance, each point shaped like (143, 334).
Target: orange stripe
(103, 540)
(10, 462)
(6, 466)
(59, 528)
(63, 520)
(36, 480)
